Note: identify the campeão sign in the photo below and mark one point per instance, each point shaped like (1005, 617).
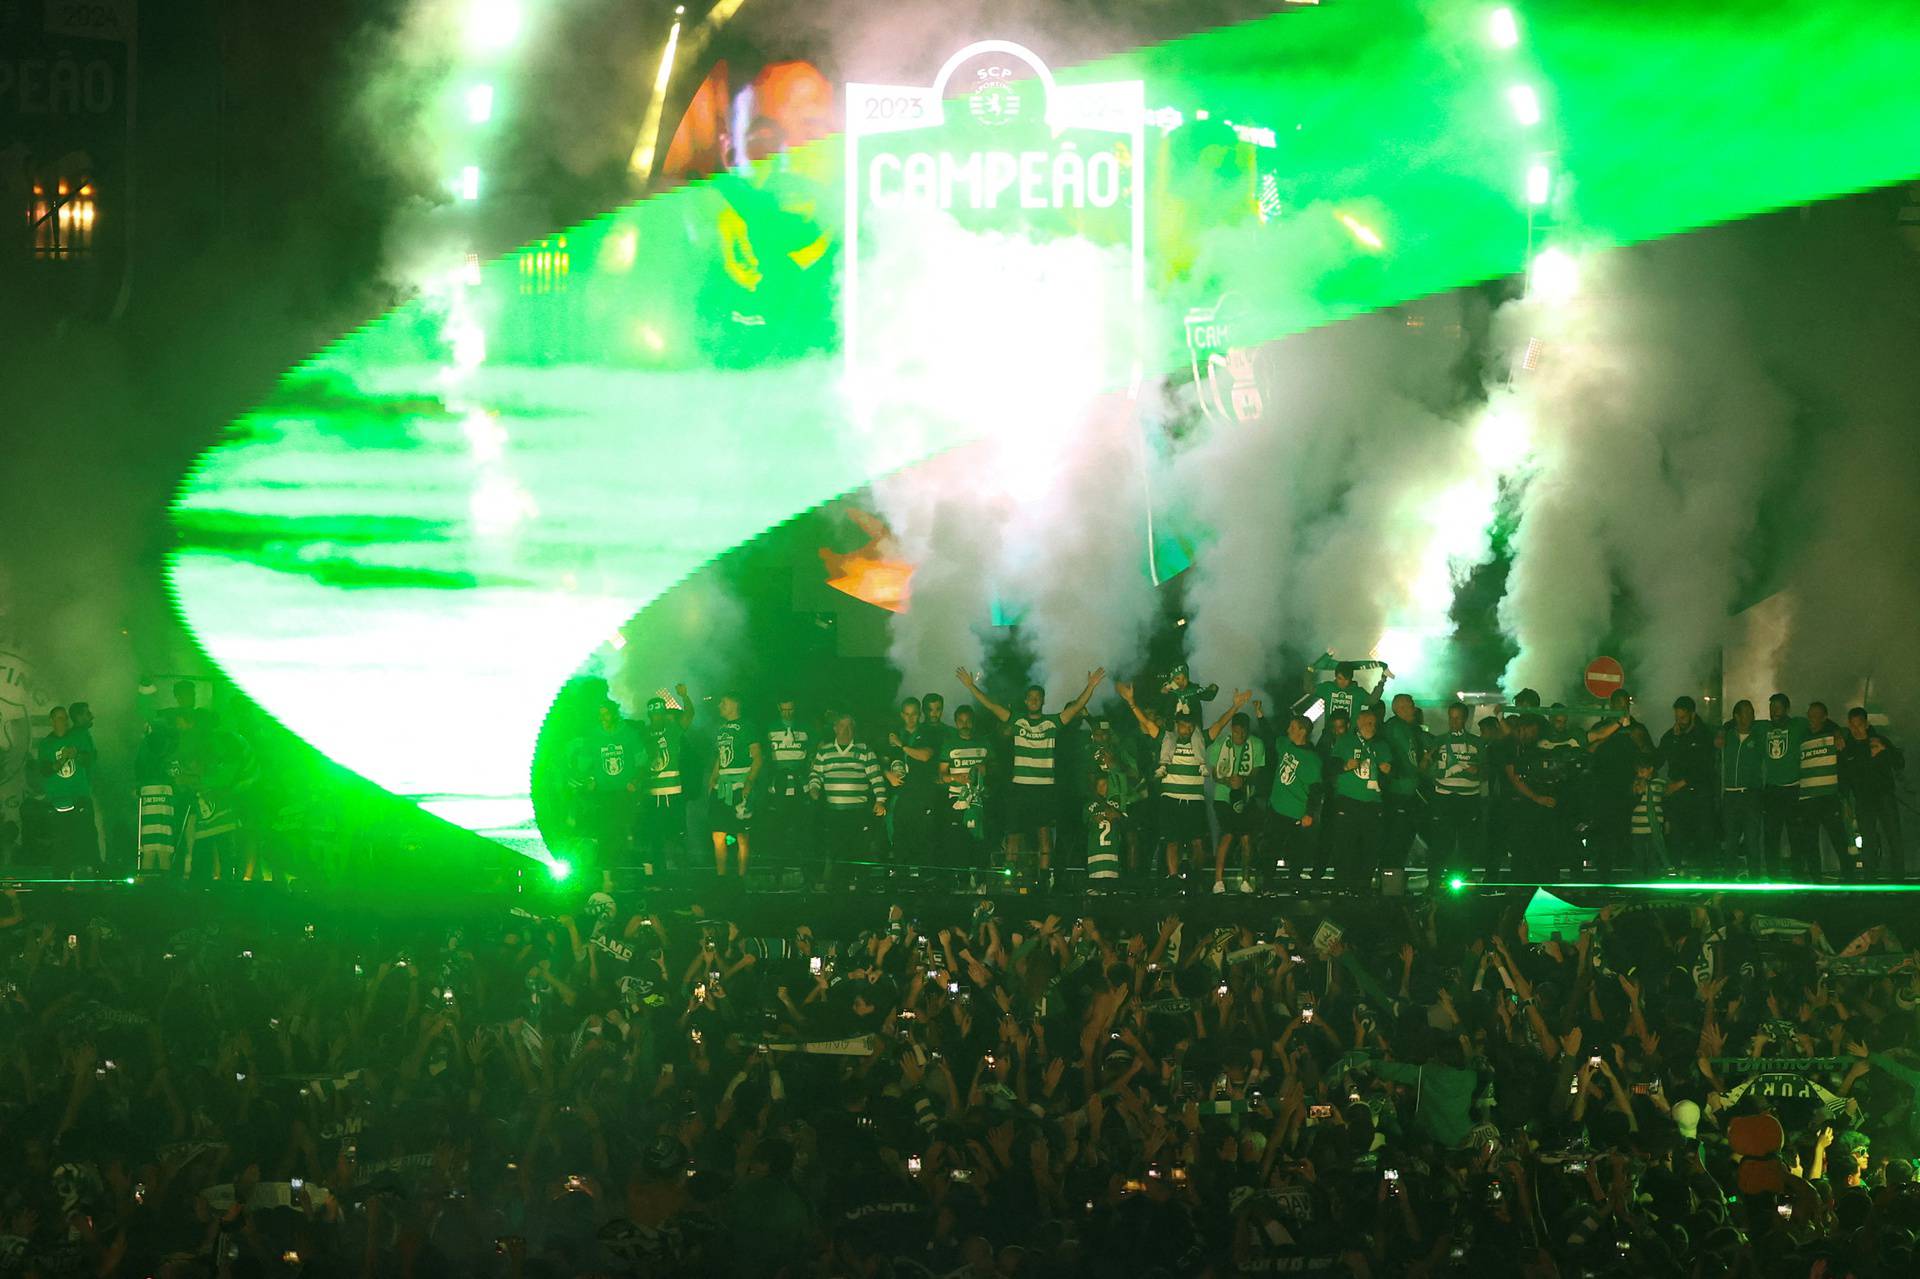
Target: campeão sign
(998, 144)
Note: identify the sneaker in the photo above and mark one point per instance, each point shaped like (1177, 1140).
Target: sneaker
(1219, 886)
(1246, 885)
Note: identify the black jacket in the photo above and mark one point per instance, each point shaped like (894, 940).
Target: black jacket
(1865, 775)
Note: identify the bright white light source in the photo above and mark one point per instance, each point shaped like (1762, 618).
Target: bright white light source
(492, 25)
(1502, 436)
(1504, 30)
(1525, 103)
(1361, 231)
(1539, 184)
(480, 104)
(469, 185)
(1554, 275)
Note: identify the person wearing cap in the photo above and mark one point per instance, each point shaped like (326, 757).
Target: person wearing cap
(1179, 693)
(1181, 772)
(1034, 804)
(663, 815)
(1686, 751)
(731, 782)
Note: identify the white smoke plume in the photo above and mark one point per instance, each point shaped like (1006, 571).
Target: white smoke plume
(1342, 517)
(1655, 430)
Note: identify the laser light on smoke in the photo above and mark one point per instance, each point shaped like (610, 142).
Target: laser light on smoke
(1525, 103)
(1361, 231)
(1503, 29)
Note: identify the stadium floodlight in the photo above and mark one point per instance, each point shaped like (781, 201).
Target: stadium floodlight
(1503, 28)
(1539, 184)
(479, 104)
(468, 188)
(1553, 275)
(492, 25)
(1525, 103)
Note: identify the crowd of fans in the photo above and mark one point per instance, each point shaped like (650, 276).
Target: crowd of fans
(1680, 1086)
(1350, 783)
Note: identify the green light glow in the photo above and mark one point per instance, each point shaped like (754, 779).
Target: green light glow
(404, 575)
(560, 868)
(1691, 886)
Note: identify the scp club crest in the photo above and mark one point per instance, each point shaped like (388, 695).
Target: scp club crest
(1224, 375)
(994, 101)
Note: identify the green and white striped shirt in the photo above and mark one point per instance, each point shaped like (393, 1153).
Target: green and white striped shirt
(1184, 768)
(848, 776)
(1453, 755)
(1035, 740)
(1819, 764)
(962, 756)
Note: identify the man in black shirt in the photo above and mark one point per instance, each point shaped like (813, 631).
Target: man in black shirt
(1532, 782)
(1615, 752)
(1869, 764)
(1687, 751)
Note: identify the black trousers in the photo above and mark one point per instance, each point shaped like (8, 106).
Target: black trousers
(1881, 846)
(1692, 827)
(1358, 830)
(1295, 845)
(1812, 818)
(1455, 833)
(1779, 810)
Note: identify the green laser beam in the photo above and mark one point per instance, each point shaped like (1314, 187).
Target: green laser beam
(1687, 886)
(403, 573)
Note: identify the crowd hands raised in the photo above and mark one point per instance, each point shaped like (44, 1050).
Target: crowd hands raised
(1351, 784)
(1421, 1088)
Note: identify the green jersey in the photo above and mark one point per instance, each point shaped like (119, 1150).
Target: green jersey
(1335, 698)
(608, 759)
(733, 760)
(1103, 840)
(966, 761)
(1456, 766)
(1365, 781)
(666, 747)
(1820, 762)
(1297, 772)
(1036, 740)
(66, 768)
(1780, 750)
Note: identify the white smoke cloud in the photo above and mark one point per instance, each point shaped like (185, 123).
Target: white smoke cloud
(1656, 430)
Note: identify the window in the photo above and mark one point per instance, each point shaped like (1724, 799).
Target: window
(61, 218)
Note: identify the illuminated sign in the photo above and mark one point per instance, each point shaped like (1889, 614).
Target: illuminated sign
(1000, 147)
(1224, 375)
